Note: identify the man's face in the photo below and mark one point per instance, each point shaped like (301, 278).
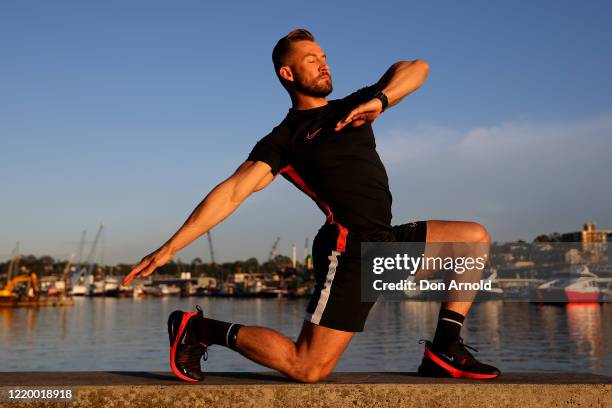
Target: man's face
(309, 67)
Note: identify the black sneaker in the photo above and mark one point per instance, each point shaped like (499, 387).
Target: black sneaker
(454, 361)
(185, 354)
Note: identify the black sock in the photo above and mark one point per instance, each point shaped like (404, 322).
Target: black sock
(212, 331)
(449, 327)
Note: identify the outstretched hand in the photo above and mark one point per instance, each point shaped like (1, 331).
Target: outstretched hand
(366, 112)
(149, 263)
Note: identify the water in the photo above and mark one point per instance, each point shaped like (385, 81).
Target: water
(130, 334)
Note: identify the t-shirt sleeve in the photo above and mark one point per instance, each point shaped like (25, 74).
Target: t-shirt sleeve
(358, 97)
(272, 149)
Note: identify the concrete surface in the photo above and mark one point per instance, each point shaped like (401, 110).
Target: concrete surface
(161, 389)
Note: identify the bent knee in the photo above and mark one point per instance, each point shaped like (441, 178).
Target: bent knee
(311, 377)
(478, 233)
(310, 373)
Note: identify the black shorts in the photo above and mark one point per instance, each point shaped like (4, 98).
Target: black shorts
(336, 300)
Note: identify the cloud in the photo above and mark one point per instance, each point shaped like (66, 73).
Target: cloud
(519, 178)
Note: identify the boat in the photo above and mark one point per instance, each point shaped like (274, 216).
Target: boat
(111, 286)
(605, 288)
(80, 290)
(496, 292)
(126, 291)
(97, 289)
(151, 290)
(169, 290)
(206, 291)
(138, 291)
(577, 286)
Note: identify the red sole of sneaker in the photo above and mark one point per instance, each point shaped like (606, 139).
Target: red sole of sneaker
(186, 317)
(455, 372)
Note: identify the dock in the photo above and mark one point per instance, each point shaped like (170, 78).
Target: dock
(267, 389)
(39, 302)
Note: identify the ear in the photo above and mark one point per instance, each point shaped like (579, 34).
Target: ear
(286, 73)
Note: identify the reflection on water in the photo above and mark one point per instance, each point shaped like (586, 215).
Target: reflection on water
(585, 331)
(130, 334)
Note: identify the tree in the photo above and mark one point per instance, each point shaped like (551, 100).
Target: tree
(283, 261)
(251, 265)
(196, 266)
(554, 237)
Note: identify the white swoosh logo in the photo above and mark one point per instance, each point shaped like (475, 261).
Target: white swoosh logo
(449, 358)
(312, 135)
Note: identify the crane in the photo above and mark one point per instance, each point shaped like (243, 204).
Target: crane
(66, 272)
(216, 270)
(273, 250)
(81, 247)
(14, 264)
(90, 260)
(210, 246)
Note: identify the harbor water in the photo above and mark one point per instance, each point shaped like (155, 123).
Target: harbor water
(125, 334)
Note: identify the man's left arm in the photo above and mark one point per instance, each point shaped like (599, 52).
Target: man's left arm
(400, 80)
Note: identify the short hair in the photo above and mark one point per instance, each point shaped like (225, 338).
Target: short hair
(283, 46)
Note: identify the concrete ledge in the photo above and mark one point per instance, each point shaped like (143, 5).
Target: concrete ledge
(159, 389)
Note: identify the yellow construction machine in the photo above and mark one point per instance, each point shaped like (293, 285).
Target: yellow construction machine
(10, 290)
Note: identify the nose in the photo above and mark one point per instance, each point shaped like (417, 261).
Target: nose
(324, 68)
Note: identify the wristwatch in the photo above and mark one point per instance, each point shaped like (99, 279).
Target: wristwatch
(383, 98)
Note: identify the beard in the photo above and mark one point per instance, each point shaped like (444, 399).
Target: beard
(319, 87)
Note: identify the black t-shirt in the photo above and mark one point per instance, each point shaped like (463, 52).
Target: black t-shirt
(341, 171)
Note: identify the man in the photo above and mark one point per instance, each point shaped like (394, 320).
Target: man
(327, 150)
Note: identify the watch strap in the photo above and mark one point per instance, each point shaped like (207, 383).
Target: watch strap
(383, 98)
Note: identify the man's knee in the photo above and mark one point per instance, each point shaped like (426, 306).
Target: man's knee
(309, 371)
(477, 233)
(312, 375)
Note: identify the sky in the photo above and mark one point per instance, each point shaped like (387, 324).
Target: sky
(129, 112)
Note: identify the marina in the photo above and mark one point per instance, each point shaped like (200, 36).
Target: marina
(555, 268)
(124, 334)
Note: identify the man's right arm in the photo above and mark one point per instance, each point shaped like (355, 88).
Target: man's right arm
(222, 201)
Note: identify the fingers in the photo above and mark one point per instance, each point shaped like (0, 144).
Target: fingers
(349, 118)
(149, 269)
(357, 120)
(360, 115)
(145, 263)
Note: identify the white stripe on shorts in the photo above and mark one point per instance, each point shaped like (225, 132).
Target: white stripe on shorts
(227, 334)
(452, 321)
(315, 317)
